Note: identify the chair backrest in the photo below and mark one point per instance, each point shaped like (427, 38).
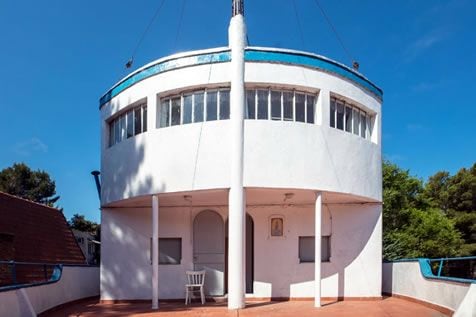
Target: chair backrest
(195, 277)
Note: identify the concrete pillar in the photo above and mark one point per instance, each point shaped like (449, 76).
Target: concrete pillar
(236, 223)
(317, 250)
(155, 252)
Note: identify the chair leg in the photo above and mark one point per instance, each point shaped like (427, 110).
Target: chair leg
(186, 296)
(202, 295)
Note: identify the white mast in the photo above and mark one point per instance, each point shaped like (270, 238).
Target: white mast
(236, 199)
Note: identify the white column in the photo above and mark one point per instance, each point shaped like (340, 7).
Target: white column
(236, 222)
(317, 250)
(155, 252)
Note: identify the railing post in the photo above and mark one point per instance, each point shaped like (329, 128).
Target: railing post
(440, 268)
(14, 272)
(45, 273)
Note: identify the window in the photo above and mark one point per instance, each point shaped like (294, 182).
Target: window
(224, 105)
(211, 105)
(288, 111)
(251, 104)
(275, 105)
(300, 108)
(130, 124)
(332, 114)
(340, 115)
(280, 105)
(193, 107)
(306, 249)
(347, 117)
(262, 96)
(170, 250)
(198, 99)
(187, 109)
(127, 124)
(175, 111)
(310, 100)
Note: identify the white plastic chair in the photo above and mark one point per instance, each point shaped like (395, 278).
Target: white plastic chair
(195, 281)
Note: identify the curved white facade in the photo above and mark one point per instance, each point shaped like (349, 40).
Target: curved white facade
(287, 164)
(277, 154)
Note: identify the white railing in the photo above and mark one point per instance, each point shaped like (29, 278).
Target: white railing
(407, 279)
(76, 282)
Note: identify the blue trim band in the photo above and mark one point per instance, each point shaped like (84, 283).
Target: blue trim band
(251, 55)
(425, 269)
(162, 67)
(312, 61)
(55, 277)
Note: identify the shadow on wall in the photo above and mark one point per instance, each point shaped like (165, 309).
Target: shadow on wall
(348, 241)
(125, 177)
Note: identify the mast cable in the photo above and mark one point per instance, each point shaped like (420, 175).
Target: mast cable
(298, 23)
(339, 39)
(180, 23)
(131, 60)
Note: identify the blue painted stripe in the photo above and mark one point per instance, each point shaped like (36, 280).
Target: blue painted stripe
(162, 67)
(312, 61)
(251, 55)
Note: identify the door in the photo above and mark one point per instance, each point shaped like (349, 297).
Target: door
(249, 255)
(209, 250)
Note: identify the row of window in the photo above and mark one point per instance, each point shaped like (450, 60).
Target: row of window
(128, 124)
(261, 104)
(170, 250)
(199, 106)
(349, 118)
(280, 105)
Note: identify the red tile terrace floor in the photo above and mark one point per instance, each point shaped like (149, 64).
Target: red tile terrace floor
(388, 307)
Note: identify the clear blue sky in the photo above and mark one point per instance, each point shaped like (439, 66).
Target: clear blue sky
(58, 57)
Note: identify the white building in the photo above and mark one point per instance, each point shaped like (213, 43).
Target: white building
(306, 159)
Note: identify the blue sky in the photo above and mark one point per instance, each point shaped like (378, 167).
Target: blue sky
(58, 58)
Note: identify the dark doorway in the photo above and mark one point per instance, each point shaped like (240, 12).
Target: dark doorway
(249, 256)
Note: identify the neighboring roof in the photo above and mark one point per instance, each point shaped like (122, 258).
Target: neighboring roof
(40, 233)
(252, 54)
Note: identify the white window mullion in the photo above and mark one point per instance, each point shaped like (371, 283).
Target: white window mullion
(256, 104)
(170, 112)
(282, 106)
(305, 108)
(294, 106)
(193, 107)
(269, 103)
(205, 114)
(218, 104)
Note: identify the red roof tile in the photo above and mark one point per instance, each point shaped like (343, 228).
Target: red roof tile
(40, 233)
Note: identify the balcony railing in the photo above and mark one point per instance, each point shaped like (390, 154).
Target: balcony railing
(461, 267)
(15, 275)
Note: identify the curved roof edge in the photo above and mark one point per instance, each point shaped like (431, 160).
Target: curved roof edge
(252, 54)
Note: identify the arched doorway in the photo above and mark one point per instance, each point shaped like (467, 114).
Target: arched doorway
(209, 250)
(249, 255)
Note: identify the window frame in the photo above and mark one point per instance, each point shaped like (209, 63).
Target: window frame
(329, 248)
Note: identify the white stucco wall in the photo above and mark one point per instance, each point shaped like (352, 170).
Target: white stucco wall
(75, 283)
(405, 278)
(354, 269)
(196, 156)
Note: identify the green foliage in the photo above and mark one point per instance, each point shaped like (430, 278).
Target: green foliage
(428, 233)
(79, 222)
(20, 180)
(436, 219)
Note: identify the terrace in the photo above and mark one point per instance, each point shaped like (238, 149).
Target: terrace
(415, 287)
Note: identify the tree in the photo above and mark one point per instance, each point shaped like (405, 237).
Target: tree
(412, 225)
(80, 223)
(456, 195)
(20, 180)
(428, 233)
